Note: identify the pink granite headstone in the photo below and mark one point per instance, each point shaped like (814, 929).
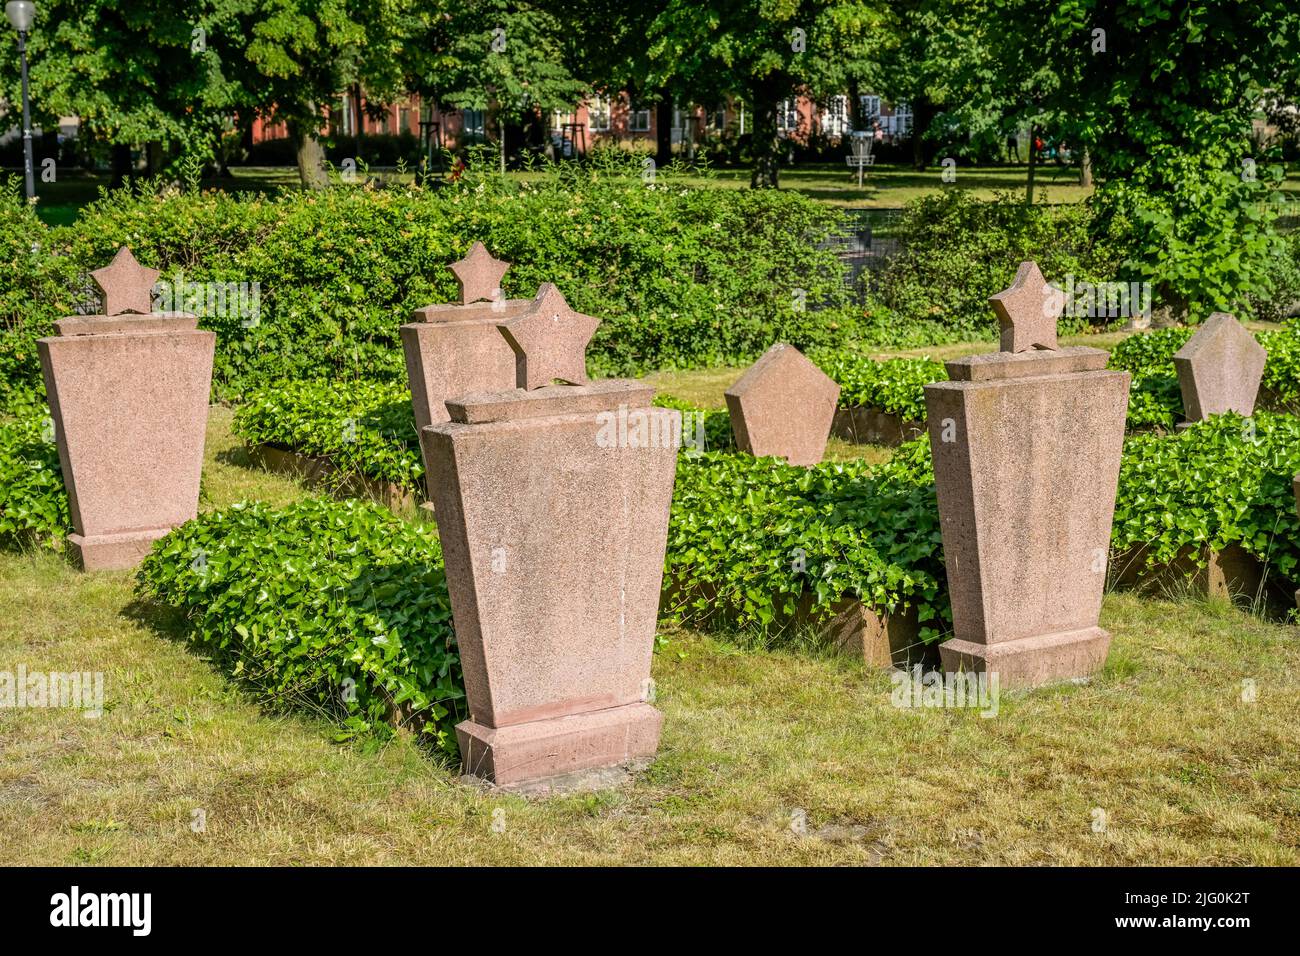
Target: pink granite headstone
(456, 349)
(128, 392)
(1026, 448)
(1219, 369)
(784, 406)
(552, 506)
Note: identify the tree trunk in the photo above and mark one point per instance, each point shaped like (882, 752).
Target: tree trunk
(1085, 168)
(153, 158)
(664, 129)
(121, 164)
(311, 158)
(855, 106)
(360, 116)
(922, 114)
(1033, 163)
(766, 142)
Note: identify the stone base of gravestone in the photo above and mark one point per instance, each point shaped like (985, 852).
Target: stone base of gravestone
(129, 399)
(553, 508)
(1026, 453)
(866, 425)
(457, 350)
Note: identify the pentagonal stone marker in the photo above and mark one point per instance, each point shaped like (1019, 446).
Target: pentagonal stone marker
(783, 406)
(1219, 369)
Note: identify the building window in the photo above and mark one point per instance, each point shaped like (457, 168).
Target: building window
(638, 120)
(869, 107)
(835, 117)
(787, 116)
(473, 123)
(718, 118)
(598, 114)
(902, 117)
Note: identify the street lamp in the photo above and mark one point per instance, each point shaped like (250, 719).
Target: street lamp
(20, 14)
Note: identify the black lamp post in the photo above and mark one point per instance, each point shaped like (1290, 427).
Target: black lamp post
(20, 14)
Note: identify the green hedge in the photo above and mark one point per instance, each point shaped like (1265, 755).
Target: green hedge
(681, 277)
(337, 605)
(956, 251)
(368, 428)
(748, 536)
(1220, 482)
(1156, 398)
(363, 427)
(894, 385)
(33, 502)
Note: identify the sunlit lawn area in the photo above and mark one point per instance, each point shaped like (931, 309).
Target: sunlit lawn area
(1163, 743)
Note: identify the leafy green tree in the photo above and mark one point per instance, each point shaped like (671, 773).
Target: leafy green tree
(1164, 92)
(762, 51)
(133, 73)
(507, 59)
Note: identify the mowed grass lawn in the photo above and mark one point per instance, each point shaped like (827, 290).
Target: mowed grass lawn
(1163, 743)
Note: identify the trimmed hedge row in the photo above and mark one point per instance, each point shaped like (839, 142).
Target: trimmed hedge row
(368, 428)
(749, 536)
(681, 277)
(895, 386)
(362, 427)
(1220, 482)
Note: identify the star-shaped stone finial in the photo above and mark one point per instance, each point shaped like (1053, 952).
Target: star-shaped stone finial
(1027, 312)
(127, 285)
(550, 341)
(479, 274)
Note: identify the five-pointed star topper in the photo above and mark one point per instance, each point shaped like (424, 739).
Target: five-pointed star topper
(127, 285)
(479, 274)
(549, 341)
(1027, 311)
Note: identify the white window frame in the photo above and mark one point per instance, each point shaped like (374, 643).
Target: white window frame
(835, 117)
(787, 115)
(638, 120)
(869, 106)
(599, 114)
(902, 117)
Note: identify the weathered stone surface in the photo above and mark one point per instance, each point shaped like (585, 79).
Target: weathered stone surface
(127, 286)
(783, 406)
(542, 750)
(549, 340)
(999, 366)
(445, 359)
(130, 414)
(1026, 468)
(518, 403)
(1027, 312)
(1219, 369)
(457, 349)
(554, 543)
(479, 275)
